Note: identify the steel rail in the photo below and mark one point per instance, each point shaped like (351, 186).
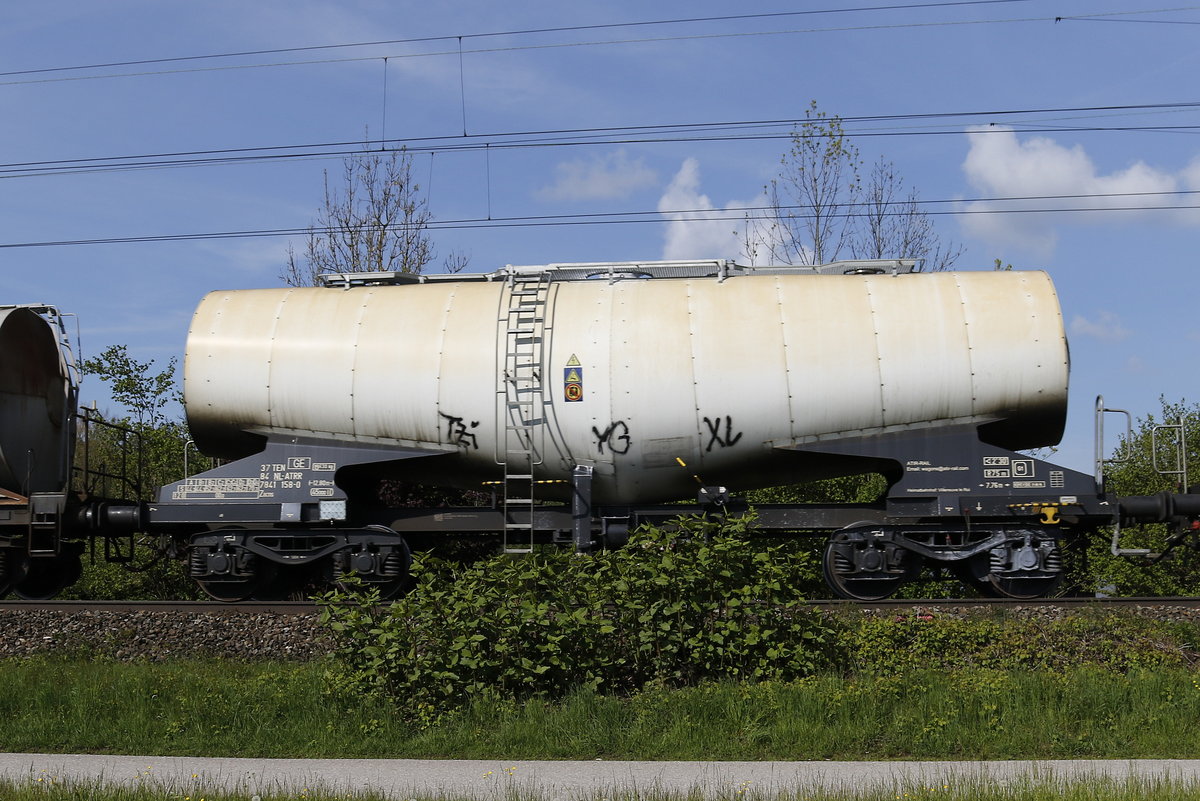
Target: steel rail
(201, 607)
(893, 604)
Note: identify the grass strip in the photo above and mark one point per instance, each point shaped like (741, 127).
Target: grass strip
(1093, 788)
(304, 710)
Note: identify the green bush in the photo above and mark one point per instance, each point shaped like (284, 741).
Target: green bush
(683, 603)
(148, 577)
(906, 644)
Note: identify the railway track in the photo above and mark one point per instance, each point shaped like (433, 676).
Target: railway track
(203, 607)
(307, 608)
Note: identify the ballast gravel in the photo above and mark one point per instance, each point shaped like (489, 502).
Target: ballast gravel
(156, 635)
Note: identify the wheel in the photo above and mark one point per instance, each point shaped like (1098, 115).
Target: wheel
(393, 588)
(46, 578)
(383, 567)
(860, 569)
(1025, 588)
(228, 590)
(270, 582)
(226, 575)
(1019, 569)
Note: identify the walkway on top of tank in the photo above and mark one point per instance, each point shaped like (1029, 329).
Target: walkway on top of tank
(623, 270)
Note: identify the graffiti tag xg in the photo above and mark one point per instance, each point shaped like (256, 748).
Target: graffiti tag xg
(616, 437)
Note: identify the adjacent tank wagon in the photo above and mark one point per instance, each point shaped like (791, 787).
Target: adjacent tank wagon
(52, 498)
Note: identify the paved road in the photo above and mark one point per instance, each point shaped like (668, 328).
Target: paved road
(491, 779)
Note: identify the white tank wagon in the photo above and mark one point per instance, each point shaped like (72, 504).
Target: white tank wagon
(584, 397)
(615, 386)
(632, 376)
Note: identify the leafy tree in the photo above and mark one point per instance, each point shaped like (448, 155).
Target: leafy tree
(821, 209)
(145, 394)
(811, 198)
(1136, 475)
(147, 445)
(1179, 574)
(378, 221)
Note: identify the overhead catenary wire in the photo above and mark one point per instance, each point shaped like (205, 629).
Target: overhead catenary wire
(607, 135)
(689, 132)
(12, 173)
(1139, 21)
(506, 33)
(595, 43)
(671, 216)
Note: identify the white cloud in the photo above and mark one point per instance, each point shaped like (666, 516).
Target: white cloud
(1137, 366)
(1191, 174)
(1106, 327)
(999, 164)
(263, 258)
(603, 177)
(692, 232)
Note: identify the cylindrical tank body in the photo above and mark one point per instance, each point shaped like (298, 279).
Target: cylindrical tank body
(37, 396)
(639, 377)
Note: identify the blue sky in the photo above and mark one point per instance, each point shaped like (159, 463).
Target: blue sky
(1088, 99)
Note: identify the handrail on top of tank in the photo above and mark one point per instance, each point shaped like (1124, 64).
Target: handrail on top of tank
(386, 278)
(720, 269)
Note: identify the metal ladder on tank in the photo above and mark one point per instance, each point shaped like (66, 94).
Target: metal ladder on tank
(521, 403)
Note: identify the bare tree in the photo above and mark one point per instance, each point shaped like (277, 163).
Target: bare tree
(819, 208)
(378, 221)
(809, 201)
(890, 224)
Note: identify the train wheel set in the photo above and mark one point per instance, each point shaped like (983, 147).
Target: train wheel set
(267, 565)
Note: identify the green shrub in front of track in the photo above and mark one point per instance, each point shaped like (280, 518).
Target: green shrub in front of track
(905, 643)
(684, 604)
(680, 604)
